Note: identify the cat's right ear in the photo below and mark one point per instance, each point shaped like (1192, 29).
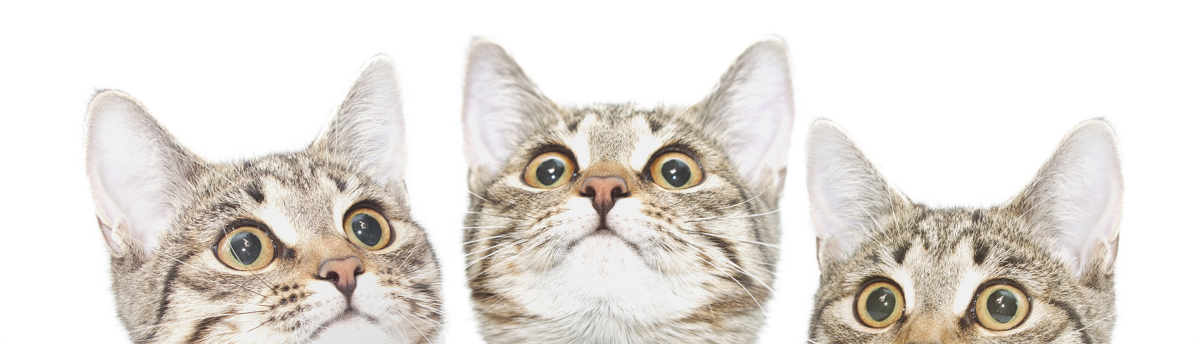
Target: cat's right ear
(500, 106)
(368, 129)
(134, 166)
(845, 191)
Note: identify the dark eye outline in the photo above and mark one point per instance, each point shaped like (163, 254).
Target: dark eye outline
(389, 234)
(529, 176)
(1014, 286)
(699, 174)
(221, 247)
(860, 303)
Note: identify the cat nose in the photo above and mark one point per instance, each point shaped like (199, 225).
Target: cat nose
(342, 273)
(604, 191)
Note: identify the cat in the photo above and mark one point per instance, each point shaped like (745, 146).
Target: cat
(309, 246)
(1037, 269)
(620, 224)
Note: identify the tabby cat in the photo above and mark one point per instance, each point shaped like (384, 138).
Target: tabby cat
(311, 246)
(1037, 269)
(621, 224)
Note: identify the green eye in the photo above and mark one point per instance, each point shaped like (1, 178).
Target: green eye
(880, 304)
(676, 171)
(246, 248)
(368, 229)
(549, 170)
(1001, 307)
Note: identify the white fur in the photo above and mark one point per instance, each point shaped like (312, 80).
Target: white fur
(844, 189)
(131, 163)
(497, 102)
(753, 106)
(646, 145)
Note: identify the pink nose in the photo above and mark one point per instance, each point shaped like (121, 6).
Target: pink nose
(604, 191)
(342, 273)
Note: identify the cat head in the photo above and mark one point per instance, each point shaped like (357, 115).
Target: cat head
(621, 223)
(1037, 269)
(294, 247)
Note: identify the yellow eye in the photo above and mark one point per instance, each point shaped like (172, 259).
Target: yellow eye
(879, 304)
(1001, 307)
(676, 171)
(246, 248)
(551, 169)
(368, 229)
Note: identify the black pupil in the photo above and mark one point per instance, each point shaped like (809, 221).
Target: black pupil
(881, 303)
(1002, 305)
(246, 247)
(550, 171)
(676, 172)
(367, 229)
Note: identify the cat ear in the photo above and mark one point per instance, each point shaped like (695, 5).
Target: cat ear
(369, 126)
(1076, 195)
(845, 191)
(753, 109)
(500, 105)
(134, 167)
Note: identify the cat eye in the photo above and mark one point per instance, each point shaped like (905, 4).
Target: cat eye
(367, 228)
(1000, 307)
(551, 169)
(246, 248)
(675, 170)
(879, 304)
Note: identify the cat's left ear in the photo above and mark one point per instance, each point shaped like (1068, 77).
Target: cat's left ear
(753, 110)
(369, 126)
(1076, 196)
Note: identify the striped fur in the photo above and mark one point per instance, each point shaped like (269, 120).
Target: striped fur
(941, 257)
(674, 266)
(174, 289)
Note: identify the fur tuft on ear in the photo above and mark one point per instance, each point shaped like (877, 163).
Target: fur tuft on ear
(1076, 196)
(369, 125)
(844, 190)
(134, 168)
(500, 104)
(753, 108)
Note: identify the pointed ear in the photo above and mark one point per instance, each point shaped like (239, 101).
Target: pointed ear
(135, 168)
(500, 105)
(845, 192)
(368, 129)
(754, 109)
(1076, 196)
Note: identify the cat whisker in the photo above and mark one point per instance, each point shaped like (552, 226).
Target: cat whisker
(731, 238)
(422, 333)
(210, 273)
(483, 249)
(497, 251)
(726, 260)
(404, 262)
(476, 227)
(485, 310)
(760, 307)
(507, 217)
(731, 217)
(491, 237)
(760, 193)
(191, 319)
(506, 261)
(1064, 336)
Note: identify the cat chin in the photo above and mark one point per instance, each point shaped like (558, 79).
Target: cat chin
(353, 328)
(604, 248)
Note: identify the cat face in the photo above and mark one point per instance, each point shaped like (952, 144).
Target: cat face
(1037, 269)
(311, 246)
(613, 223)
